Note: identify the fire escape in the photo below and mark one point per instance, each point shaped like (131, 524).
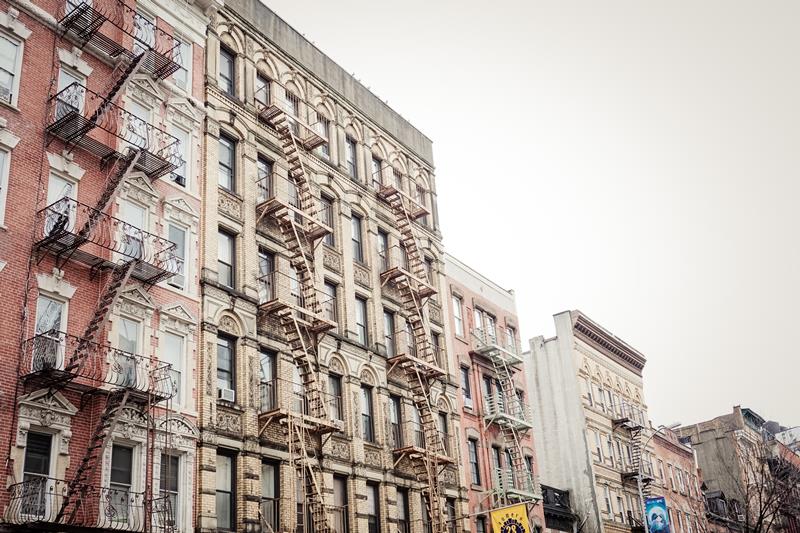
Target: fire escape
(68, 230)
(430, 450)
(631, 421)
(295, 302)
(506, 410)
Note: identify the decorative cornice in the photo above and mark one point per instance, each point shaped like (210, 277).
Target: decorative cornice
(607, 343)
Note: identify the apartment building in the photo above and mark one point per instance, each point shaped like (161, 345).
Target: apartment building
(100, 130)
(590, 425)
(676, 478)
(323, 374)
(496, 439)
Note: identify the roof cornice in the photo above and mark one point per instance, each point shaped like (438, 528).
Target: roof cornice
(599, 338)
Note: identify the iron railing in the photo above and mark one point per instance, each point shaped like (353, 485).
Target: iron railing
(498, 408)
(67, 225)
(390, 184)
(281, 394)
(50, 357)
(39, 499)
(509, 480)
(487, 342)
(280, 196)
(411, 434)
(273, 100)
(85, 21)
(75, 112)
(277, 289)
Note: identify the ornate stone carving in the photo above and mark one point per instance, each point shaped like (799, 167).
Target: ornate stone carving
(340, 450)
(356, 413)
(367, 378)
(44, 410)
(372, 458)
(336, 366)
(209, 355)
(331, 259)
(230, 422)
(435, 313)
(361, 276)
(229, 205)
(139, 188)
(229, 325)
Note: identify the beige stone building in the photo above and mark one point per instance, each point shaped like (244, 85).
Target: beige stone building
(323, 369)
(590, 422)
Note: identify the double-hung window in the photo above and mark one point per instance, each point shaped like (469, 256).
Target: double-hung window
(474, 464)
(458, 318)
(172, 352)
(183, 149)
(9, 69)
(226, 250)
(367, 419)
(383, 250)
(226, 362)
(377, 165)
(227, 68)
(389, 333)
(357, 230)
(373, 508)
(183, 76)
(264, 180)
(170, 488)
(35, 474)
(350, 157)
(466, 387)
(226, 173)
(177, 235)
(121, 482)
(330, 305)
(270, 483)
(361, 321)
(226, 493)
(395, 410)
(49, 346)
(263, 96)
(403, 512)
(326, 216)
(335, 391)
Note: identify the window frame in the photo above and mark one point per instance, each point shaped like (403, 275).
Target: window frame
(362, 328)
(231, 455)
(229, 86)
(231, 170)
(17, 73)
(183, 274)
(474, 462)
(232, 371)
(351, 151)
(232, 266)
(188, 66)
(357, 237)
(458, 315)
(466, 387)
(328, 217)
(367, 418)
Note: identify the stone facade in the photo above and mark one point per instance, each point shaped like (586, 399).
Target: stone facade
(262, 49)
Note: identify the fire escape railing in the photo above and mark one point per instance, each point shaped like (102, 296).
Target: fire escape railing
(278, 196)
(84, 118)
(273, 100)
(409, 437)
(504, 411)
(70, 229)
(488, 343)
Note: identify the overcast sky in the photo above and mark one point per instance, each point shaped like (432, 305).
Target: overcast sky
(635, 160)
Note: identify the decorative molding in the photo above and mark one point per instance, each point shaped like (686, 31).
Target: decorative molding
(229, 422)
(179, 210)
(367, 377)
(373, 458)
(44, 410)
(229, 205)
(182, 113)
(361, 276)
(340, 449)
(145, 91)
(55, 284)
(140, 189)
(10, 22)
(63, 164)
(8, 140)
(435, 313)
(72, 58)
(608, 344)
(229, 325)
(336, 366)
(176, 317)
(331, 259)
(136, 302)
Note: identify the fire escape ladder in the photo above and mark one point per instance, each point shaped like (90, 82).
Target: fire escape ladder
(117, 281)
(126, 71)
(115, 403)
(304, 353)
(309, 473)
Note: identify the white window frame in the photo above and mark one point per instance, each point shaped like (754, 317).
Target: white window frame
(179, 399)
(186, 255)
(187, 160)
(20, 43)
(5, 170)
(188, 66)
(458, 315)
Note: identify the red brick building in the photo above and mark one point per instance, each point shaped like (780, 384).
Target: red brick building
(100, 126)
(497, 442)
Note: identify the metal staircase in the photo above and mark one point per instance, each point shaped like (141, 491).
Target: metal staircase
(420, 366)
(299, 315)
(630, 422)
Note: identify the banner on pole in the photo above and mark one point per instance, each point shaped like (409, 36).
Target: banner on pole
(657, 515)
(513, 519)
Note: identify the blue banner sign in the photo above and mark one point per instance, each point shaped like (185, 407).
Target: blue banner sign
(657, 515)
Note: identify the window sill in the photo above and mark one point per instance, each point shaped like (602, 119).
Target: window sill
(8, 105)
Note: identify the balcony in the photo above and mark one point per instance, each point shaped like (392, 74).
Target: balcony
(83, 118)
(402, 350)
(499, 349)
(72, 230)
(507, 413)
(276, 105)
(278, 197)
(280, 398)
(117, 29)
(628, 416)
(394, 265)
(278, 292)
(391, 190)
(636, 524)
(52, 357)
(515, 485)
(36, 502)
(408, 438)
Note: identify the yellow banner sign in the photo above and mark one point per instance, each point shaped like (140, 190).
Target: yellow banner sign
(512, 519)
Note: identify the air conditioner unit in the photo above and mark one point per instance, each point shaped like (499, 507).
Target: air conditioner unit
(229, 395)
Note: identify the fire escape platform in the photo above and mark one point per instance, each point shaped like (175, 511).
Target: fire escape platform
(496, 352)
(507, 420)
(412, 363)
(414, 209)
(422, 289)
(305, 317)
(103, 241)
(308, 227)
(275, 114)
(417, 452)
(87, 24)
(83, 118)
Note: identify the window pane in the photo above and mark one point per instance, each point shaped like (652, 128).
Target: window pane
(178, 236)
(129, 336)
(226, 71)
(121, 465)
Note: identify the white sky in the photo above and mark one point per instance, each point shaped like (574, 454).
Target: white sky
(635, 160)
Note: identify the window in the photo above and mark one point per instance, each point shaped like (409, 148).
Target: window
(340, 501)
(9, 69)
(326, 216)
(226, 494)
(383, 250)
(376, 172)
(270, 489)
(598, 446)
(264, 178)
(172, 352)
(128, 336)
(35, 473)
(511, 338)
(145, 32)
(329, 305)
(49, 350)
(69, 100)
(480, 525)
(4, 170)
(466, 387)
(661, 472)
(607, 494)
(226, 173)
(226, 359)
(477, 320)
(183, 149)
(488, 393)
(134, 218)
(373, 508)
(457, 316)
(450, 508)
(121, 481)
(621, 509)
(389, 333)
(177, 235)
(671, 479)
(610, 444)
(350, 157)
(60, 212)
(444, 432)
(266, 266)
(361, 320)
(356, 224)
(367, 422)
(588, 385)
(472, 445)
(263, 89)
(403, 512)
(437, 350)
(226, 252)
(395, 412)
(183, 76)
(601, 398)
(335, 390)
(170, 487)
(227, 77)
(136, 130)
(323, 127)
